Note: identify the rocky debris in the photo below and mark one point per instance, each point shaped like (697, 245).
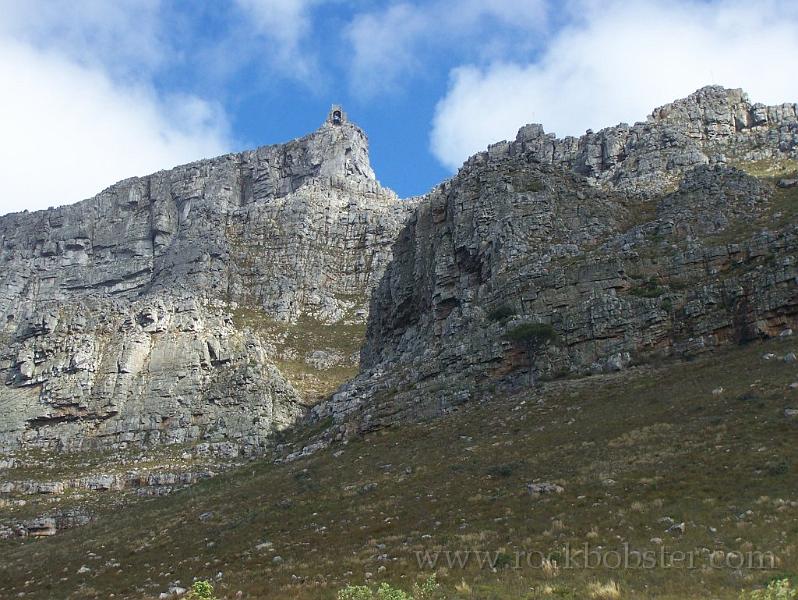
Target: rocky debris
(544, 488)
(45, 525)
(679, 528)
(324, 359)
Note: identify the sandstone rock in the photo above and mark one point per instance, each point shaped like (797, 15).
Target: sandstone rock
(544, 488)
(562, 233)
(117, 314)
(43, 527)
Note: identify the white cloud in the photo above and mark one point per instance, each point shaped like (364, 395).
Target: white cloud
(616, 62)
(286, 25)
(124, 35)
(395, 42)
(73, 118)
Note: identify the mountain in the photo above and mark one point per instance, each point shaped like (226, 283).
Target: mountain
(664, 239)
(269, 371)
(163, 309)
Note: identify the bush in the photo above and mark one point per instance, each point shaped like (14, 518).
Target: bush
(532, 333)
(649, 289)
(501, 313)
(504, 470)
(426, 591)
(355, 592)
(201, 590)
(780, 589)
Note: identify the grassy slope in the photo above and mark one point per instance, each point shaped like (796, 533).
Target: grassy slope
(628, 449)
(298, 339)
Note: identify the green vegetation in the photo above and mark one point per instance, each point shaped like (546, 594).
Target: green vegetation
(294, 341)
(535, 334)
(779, 589)
(650, 289)
(425, 591)
(501, 313)
(201, 590)
(634, 452)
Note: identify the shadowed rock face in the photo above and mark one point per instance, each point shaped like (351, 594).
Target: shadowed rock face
(627, 245)
(115, 313)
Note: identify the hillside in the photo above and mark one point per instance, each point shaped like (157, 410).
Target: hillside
(269, 371)
(636, 454)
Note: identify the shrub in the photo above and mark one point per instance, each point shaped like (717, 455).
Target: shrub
(532, 336)
(501, 313)
(355, 592)
(779, 589)
(386, 592)
(650, 289)
(777, 467)
(504, 470)
(425, 591)
(201, 590)
(532, 333)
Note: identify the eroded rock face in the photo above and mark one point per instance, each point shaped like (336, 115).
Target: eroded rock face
(624, 246)
(291, 228)
(712, 125)
(113, 373)
(115, 313)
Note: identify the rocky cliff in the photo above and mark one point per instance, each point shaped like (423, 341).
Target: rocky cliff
(546, 258)
(156, 311)
(218, 300)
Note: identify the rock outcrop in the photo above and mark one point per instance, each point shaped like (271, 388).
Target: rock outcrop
(116, 313)
(544, 257)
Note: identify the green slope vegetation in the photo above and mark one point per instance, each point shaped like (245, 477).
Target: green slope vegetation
(636, 454)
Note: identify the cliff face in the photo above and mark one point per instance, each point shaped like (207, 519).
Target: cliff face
(117, 313)
(637, 243)
(216, 301)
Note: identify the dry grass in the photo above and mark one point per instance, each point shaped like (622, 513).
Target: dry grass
(604, 591)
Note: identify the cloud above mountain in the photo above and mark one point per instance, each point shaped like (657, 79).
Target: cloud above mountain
(116, 89)
(81, 112)
(615, 61)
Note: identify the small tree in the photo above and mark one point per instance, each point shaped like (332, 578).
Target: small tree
(532, 337)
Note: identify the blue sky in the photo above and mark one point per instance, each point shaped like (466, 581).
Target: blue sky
(96, 91)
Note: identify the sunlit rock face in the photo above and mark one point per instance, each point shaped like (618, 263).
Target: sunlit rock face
(116, 313)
